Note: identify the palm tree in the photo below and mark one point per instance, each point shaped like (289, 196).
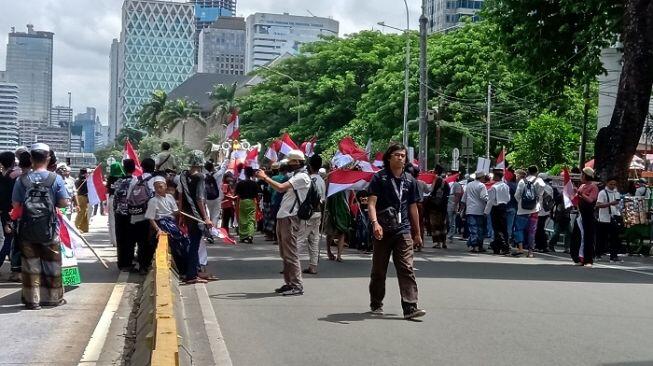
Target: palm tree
(148, 116)
(224, 103)
(177, 111)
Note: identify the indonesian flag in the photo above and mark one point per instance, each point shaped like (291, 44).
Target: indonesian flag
(452, 178)
(308, 147)
(68, 234)
(568, 190)
(501, 160)
(287, 144)
(427, 177)
(348, 147)
(97, 192)
(223, 234)
(252, 158)
(507, 175)
(342, 180)
(238, 157)
(233, 127)
(273, 151)
(129, 153)
(378, 160)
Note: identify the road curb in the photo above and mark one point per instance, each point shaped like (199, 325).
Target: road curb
(216, 340)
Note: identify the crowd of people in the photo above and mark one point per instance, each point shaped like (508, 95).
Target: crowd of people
(288, 204)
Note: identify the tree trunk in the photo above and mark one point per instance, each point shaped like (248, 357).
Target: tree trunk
(183, 132)
(616, 144)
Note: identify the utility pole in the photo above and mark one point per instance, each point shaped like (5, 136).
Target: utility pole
(489, 110)
(407, 75)
(423, 95)
(583, 140)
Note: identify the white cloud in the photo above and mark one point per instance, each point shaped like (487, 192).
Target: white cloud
(84, 30)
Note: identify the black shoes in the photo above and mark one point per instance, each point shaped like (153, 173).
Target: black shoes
(282, 289)
(413, 312)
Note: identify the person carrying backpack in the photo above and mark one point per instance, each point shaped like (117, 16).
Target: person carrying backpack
(561, 222)
(310, 229)
(529, 199)
(288, 220)
(141, 190)
(122, 219)
(37, 195)
(213, 184)
(548, 203)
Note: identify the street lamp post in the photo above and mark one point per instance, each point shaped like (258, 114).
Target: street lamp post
(299, 96)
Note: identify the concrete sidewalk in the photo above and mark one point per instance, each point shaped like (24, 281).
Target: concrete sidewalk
(58, 336)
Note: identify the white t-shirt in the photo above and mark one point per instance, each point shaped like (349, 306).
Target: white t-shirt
(300, 182)
(161, 206)
(321, 190)
(606, 196)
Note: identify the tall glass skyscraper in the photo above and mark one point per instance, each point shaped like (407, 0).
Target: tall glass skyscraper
(207, 12)
(29, 65)
(157, 51)
(8, 115)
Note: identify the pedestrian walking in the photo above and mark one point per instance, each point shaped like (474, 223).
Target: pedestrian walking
(214, 194)
(141, 190)
(583, 252)
(610, 221)
(310, 229)
(436, 207)
(546, 206)
(247, 192)
(192, 201)
(453, 206)
(64, 171)
(125, 242)
(288, 223)
(37, 195)
(392, 206)
(561, 217)
(228, 201)
(529, 194)
(475, 200)
(10, 172)
(497, 203)
(81, 220)
(115, 173)
(511, 208)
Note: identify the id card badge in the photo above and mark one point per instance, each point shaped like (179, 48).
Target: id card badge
(399, 217)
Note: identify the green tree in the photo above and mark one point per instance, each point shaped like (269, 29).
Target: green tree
(224, 103)
(148, 116)
(565, 38)
(547, 141)
(180, 111)
(134, 135)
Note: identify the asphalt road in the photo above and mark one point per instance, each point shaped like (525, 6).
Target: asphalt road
(482, 310)
(58, 336)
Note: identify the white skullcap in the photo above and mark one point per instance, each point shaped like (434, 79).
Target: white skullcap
(40, 146)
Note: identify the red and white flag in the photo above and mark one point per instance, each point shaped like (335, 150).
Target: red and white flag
(348, 147)
(308, 147)
(97, 192)
(342, 180)
(233, 127)
(501, 160)
(452, 178)
(568, 190)
(273, 151)
(427, 177)
(252, 158)
(223, 234)
(378, 160)
(129, 153)
(68, 234)
(287, 144)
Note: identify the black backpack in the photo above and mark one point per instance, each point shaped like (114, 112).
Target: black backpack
(139, 196)
(528, 196)
(311, 203)
(212, 190)
(548, 202)
(38, 224)
(440, 197)
(120, 203)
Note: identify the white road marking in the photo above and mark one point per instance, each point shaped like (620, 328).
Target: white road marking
(216, 340)
(98, 338)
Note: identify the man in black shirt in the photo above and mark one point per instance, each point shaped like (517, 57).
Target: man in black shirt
(394, 216)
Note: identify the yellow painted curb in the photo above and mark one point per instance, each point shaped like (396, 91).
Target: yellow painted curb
(166, 345)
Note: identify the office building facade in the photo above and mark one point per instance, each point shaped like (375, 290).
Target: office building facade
(222, 47)
(90, 126)
(60, 116)
(115, 122)
(9, 101)
(272, 35)
(446, 14)
(207, 12)
(156, 52)
(29, 65)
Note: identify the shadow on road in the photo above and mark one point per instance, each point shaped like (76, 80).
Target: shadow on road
(348, 318)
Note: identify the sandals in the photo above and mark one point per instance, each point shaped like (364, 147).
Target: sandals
(207, 276)
(195, 280)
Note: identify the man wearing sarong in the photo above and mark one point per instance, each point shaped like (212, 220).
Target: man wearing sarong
(247, 192)
(41, 261)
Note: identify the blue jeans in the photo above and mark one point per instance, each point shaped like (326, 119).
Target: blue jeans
(525, 228)
(489, 232)
(451, 217)
(476, 225)
(511, 214)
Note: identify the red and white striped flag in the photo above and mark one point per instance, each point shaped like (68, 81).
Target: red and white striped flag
(427, 177)
(378, 160)
(501, 160)
(287, 144)
(68, 234)
(233, 127)
(129, 153)
(308, 147)
(342, 180)
(273, 151)
(252, 158)
(347, 146)
(568, 190)
(223, 234)
(452, 178)
(97, 192)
